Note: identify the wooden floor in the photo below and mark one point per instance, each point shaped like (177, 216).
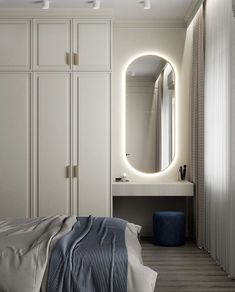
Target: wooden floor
(185, 269)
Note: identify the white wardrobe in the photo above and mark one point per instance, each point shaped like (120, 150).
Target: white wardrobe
(55, 116)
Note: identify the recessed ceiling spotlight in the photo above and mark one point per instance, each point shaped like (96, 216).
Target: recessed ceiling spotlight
(45, 4)
(96, 4)
(132, 73)
(146, 3)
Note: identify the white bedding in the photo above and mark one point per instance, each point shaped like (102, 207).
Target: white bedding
(140, 278)
(25, 246)
(24, 250)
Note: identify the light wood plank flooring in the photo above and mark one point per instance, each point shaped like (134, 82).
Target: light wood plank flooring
(185, 269)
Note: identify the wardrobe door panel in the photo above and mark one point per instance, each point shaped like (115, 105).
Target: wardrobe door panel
(52, 115)
(52, 44)
(91, 45)
(93, 95)
(15, 145)
(14, 44)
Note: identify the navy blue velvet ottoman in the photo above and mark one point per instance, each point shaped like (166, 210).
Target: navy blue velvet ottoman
(169, 228)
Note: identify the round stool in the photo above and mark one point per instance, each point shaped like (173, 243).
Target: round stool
(169, 228)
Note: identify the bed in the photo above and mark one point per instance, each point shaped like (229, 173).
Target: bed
(68, 254)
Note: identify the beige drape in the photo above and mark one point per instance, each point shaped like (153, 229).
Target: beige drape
(197, 133)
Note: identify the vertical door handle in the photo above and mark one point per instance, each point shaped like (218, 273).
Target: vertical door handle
(68, 171)
(75, 59)
(68, 59)
(75, 171)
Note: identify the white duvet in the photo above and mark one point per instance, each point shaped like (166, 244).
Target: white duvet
(140, 278)
(26, 244)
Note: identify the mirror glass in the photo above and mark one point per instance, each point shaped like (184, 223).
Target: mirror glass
(150, 113)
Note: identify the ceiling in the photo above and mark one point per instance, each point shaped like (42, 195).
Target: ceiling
(146, 66)
(122, 9)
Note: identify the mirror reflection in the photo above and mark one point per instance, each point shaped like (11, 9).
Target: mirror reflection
(150, 113)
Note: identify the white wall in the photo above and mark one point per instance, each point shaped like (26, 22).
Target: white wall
(169, 43)
(175, 45)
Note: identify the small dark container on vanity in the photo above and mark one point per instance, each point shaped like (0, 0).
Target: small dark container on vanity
(169, 228)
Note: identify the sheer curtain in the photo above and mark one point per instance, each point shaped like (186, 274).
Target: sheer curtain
(219, 189)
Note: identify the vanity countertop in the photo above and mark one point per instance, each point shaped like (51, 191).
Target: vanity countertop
(177, 188)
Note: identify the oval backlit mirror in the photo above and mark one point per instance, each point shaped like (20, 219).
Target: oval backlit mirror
(150, 113)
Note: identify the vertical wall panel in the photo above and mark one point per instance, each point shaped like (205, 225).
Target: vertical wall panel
(15, 145)
(93, 95)
(15, 44)
(52, 101)
(51, 44)
(92, 43)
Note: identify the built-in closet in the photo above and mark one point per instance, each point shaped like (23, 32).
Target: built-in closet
(55, 116)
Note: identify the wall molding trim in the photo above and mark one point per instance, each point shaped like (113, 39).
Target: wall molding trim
(166, 23)
(56, 12)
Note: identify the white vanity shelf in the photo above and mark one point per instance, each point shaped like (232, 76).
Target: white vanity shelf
(166, 189)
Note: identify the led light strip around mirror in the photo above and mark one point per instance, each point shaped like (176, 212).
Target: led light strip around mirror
(172, 165)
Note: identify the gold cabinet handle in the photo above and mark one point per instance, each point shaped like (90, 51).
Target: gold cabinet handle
(75, 59)
(68, 171)
(68, 59)
(75, 171)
